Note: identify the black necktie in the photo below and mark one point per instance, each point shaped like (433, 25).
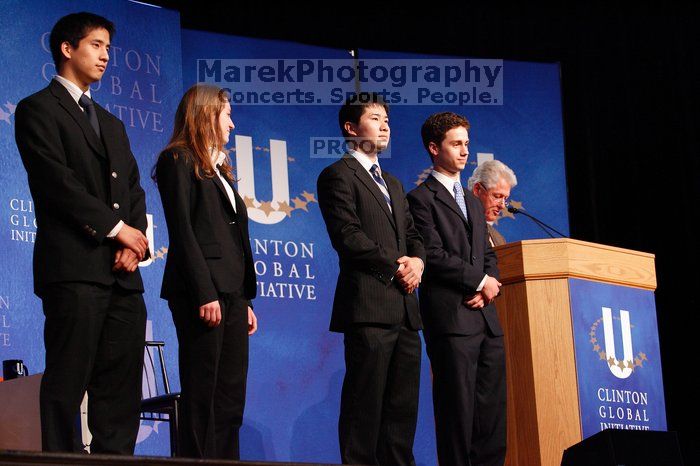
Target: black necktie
(89, 107)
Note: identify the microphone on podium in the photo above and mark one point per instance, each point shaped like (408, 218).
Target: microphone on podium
(539, 223)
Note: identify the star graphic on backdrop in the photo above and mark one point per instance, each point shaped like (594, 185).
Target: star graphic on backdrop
(611, 361)
(630, 364)
(10, 106)
(299, 204)
(423, 175)
(284, 207)
(596, 348)
(291, 159)
(309, 197)
(266, 207)
(592, 334)
(504, 214)
(637, 362)
(249, 202)
(602, 355)
(643, 356)
(516, 204)
(4, 116)
(621, 364)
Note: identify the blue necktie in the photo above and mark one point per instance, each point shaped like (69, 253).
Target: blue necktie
(89, 107)
(377, 175)
(459, 197)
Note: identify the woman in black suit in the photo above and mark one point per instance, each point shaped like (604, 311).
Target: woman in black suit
(209, 277)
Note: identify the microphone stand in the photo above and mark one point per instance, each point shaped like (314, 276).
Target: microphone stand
(539, 223)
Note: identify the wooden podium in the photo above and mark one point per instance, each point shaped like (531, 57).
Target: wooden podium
(20, 424)
(534, 308)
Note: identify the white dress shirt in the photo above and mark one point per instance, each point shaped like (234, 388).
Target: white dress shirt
(217, 158)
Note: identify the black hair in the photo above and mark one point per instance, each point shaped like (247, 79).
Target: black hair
(73, 28)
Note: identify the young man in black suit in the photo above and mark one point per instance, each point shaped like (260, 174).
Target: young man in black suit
(381, 261)
(91, 216)
(463, 336)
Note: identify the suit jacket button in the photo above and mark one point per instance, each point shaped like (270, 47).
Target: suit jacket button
(473, 258)
(115, 205)
(114, 175)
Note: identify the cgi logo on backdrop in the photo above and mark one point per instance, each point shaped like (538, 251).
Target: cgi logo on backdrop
(284, 267)
(332, 81)
(22, 221)
(619, 408)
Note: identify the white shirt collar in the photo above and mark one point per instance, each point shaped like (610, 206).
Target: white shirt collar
(447, 181)
(217, 158)
(72, 88)
(364, 160)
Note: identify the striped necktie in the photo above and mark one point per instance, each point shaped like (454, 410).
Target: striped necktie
(377, 175)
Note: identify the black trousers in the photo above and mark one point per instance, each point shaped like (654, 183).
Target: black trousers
(94, 339)
(469, 397)
(379, 402)
(213, 370)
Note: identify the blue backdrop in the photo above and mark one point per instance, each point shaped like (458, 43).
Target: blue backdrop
(296, 365)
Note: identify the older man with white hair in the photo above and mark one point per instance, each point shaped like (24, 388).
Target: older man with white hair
(491, 182)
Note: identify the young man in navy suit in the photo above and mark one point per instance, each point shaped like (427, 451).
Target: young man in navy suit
(91, 217)
(463, 336)
(381, 261)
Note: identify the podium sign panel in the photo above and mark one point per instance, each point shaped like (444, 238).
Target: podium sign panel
(618, 363)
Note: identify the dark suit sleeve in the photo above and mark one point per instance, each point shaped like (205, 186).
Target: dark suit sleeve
(490, 261)
(52, 180)
(442, 266)
(175, 185)
(337, 203)
(414, 240)
(137, 218)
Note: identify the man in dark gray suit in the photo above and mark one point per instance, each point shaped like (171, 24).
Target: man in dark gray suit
(491, 182)
(91, 216)
(463, 336)
(381, 261)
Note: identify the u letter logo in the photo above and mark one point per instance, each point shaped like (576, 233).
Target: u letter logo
(278, 171)
(619, 368)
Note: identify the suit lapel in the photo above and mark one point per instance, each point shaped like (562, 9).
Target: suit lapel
(446, 198)
(69, 105)
(371, 185)
(396, 200)
(222, 191)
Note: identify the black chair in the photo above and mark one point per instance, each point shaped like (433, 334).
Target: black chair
(162, 402)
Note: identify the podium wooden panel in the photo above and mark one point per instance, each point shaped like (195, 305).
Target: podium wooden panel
(534, 308)
(20, 425)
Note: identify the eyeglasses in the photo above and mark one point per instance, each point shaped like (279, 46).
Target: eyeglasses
(498, 198)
